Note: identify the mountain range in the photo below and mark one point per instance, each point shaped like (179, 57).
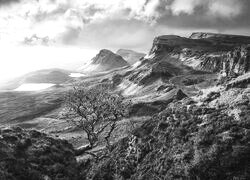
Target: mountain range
(189, 114)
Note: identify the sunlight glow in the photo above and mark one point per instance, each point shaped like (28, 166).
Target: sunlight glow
(18, 60)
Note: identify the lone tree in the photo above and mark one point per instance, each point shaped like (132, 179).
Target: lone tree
(96, 111)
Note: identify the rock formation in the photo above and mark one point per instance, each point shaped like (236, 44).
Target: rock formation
(208, 52)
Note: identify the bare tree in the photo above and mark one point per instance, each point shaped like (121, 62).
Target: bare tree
(96, 111)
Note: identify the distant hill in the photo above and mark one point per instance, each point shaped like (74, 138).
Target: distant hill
(54, 76)
(130, 56)
(105, 60)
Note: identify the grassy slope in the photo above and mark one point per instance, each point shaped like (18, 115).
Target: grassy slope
(23, 106)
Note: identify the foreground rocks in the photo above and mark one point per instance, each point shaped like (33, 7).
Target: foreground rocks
(31, 155)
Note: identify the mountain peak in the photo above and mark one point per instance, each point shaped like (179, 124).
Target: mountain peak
(105, 51)
(107, 57)
(105, 60)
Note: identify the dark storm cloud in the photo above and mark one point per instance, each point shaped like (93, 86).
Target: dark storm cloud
(133, 26)
(6, 2)
(215, 14)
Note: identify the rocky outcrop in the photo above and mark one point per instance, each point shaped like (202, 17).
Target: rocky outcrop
(202, 35)
(130, 56)
(173, 43)
(35, 156)
(165, 43)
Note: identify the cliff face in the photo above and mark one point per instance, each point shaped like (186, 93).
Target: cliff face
(228, 54)
(189, 63)
(222, 37)
(233, 62)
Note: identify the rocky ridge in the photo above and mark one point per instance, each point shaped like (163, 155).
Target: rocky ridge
(209, 53)
(173, 56)
(205, 35)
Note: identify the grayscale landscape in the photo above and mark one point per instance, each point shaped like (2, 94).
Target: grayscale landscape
(125, 90)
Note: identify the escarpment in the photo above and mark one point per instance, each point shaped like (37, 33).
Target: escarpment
(206, 52)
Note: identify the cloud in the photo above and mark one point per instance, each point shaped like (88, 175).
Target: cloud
(34, 39)
(113, 23)
(222, 8)
(6, 2)
(186, 7)
(219, 15)
(214, 8)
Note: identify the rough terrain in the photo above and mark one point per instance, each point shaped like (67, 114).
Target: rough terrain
(189, 117)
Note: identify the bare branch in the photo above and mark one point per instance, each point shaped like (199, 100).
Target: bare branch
(95, 110)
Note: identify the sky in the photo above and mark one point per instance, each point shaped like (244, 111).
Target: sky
(37, 34)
